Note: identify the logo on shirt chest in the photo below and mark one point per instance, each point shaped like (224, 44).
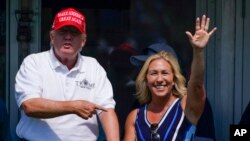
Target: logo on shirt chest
(85, 84)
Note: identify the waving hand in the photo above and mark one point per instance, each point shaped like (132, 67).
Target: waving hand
(201, 35)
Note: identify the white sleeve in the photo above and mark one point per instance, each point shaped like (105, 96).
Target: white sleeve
(28, 81)
(103, 89)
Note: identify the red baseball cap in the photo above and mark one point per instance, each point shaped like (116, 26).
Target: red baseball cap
(71, 17)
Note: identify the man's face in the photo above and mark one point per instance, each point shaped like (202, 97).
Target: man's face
(67, 41)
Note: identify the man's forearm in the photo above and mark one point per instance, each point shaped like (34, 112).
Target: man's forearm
(110, 125)
(43, 108)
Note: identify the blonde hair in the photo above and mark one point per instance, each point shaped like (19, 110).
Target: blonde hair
(179, 89)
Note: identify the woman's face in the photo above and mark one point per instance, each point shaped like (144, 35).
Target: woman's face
(160, 78)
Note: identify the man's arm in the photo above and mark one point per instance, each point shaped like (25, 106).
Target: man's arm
(44, 108)
(110, 125)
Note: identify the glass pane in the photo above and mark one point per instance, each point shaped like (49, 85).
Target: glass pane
(3, 111)
(2, 49)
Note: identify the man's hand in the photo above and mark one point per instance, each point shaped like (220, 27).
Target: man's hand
(86, 109)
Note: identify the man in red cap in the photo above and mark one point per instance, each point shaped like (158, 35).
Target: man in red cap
(61, 93)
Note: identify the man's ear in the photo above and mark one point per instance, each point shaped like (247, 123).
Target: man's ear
(51, 35)
(84, 40)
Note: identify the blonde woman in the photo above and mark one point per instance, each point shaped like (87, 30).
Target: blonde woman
(170, 110)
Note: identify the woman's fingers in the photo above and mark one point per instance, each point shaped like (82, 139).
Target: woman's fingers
(207, 24)
(203, 22)
(212, 31)
(197, 24)
(190, 36)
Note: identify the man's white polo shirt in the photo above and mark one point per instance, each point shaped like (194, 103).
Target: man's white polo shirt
(41, 75)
